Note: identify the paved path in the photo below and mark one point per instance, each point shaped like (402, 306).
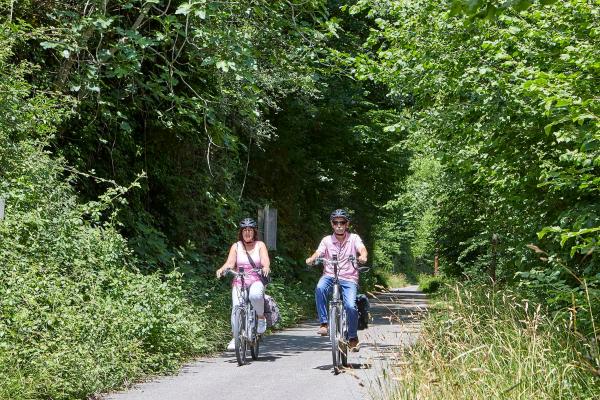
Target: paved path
(295, 364)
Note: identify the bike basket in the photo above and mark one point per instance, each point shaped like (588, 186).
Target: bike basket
(271, 311)
(362, 303)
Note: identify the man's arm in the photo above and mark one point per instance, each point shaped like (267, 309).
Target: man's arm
(311, 260)
(320, 250)
(362, 255)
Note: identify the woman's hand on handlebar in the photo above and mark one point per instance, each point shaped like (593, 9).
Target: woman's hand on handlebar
(266, 271)
(221, 271)
(362, 259)
(224, 270)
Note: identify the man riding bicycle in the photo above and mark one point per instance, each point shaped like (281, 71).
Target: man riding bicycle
(345, 245)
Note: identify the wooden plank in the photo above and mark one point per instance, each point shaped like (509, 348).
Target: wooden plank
(270, 228)
(261, 224)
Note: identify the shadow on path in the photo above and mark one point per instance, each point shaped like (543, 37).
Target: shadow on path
(397, 306)
(287, 344)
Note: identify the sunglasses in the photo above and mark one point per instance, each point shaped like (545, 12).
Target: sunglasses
(337, 223)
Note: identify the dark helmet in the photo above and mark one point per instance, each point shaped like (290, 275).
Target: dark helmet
(339, 213)
(248, 223)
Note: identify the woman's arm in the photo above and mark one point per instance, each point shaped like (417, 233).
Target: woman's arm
(230, 262)
(264, 259)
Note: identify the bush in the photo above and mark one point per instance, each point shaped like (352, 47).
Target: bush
(76, 316)
(429, 283)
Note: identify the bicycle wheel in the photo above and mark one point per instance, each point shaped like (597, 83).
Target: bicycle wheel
(239, 334)
(334, 329)
(255, 344)
(343, 342)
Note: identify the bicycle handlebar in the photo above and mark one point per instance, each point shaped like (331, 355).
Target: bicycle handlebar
(243, 272)
(351, 258)
(322, 260)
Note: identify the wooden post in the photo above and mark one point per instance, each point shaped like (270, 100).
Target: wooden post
(271, 228)
(436, 262)
(267, 224)
(492, 271)
(261, 224)
(2, 203)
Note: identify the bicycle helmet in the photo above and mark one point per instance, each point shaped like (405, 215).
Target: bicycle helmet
(339, 213)
(248, 223)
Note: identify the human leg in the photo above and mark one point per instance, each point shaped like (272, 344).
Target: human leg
(349, 290)
(321, 292)
(257, 298)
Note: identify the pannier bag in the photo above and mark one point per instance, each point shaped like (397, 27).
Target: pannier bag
(362, 303)
(271, 311)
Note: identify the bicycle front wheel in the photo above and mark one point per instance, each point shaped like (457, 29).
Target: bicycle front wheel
(334, 334)
(239, 334)
(255, 344)
(343, 342)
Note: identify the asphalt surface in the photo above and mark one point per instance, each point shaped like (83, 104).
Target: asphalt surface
(295, 364)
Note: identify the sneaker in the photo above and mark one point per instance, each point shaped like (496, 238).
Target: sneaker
(231, 345)
(262, 326)
(323, 330)
(353, 344)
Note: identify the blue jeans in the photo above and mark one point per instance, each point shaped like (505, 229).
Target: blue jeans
(349, 290)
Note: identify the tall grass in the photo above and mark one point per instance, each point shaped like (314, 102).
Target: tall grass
(482, 344)
(396, 280)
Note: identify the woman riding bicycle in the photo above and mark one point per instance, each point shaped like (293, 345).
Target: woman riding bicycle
(251, 254)
(344, 245)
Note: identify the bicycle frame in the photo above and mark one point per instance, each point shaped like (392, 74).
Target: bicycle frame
(338, 322)
(245, 322)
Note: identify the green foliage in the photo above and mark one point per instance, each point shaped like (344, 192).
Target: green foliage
(507, 109)
(491, 8)
(76, 317)
(429, 283)
(179, 92)
(332, 150)
(406, 236)
(394, 280)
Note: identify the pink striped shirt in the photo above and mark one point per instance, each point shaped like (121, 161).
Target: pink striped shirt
(350, 246)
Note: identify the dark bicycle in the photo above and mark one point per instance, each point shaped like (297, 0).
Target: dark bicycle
(245, 321)
(338, 322)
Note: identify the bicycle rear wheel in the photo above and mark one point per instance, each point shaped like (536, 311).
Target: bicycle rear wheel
(239, 334)
(334, 329)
